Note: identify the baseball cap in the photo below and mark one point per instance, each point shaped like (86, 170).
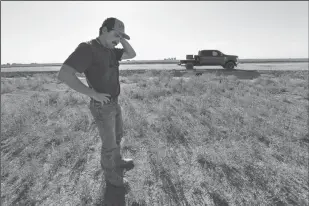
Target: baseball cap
(116, 25)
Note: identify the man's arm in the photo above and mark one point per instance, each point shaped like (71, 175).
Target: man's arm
(67, 75)
(128, 52)
(78, 61)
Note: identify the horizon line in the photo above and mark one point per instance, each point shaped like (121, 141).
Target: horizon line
(303, 58)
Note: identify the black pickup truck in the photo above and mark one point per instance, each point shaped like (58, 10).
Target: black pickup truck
(210, 58)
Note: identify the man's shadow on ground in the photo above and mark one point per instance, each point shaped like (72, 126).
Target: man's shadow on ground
(238, 73)
(114, 195)
(111, 195)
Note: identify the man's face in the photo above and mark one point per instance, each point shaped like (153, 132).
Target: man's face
(112, 38)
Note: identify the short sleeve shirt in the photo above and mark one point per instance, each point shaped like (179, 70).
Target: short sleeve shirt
(99, 64)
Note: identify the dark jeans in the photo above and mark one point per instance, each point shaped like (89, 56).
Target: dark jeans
(108, 119)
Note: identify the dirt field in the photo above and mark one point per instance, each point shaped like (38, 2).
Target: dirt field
(219, 138)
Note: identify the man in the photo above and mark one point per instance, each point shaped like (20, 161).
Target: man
(99, 60)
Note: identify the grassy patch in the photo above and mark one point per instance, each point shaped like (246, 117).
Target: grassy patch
(208, 139)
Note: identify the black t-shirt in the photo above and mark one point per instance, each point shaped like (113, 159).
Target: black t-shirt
(99, 64)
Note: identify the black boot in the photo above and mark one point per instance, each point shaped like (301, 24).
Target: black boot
(126, 164)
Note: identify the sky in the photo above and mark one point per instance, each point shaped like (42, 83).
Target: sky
(48, 32)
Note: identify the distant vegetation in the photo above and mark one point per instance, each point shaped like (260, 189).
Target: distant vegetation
(174, 58)
(8, 65)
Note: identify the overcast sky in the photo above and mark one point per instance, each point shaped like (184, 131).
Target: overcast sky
(47, 32)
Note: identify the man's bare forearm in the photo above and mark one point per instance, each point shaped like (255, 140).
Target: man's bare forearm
(127, 48)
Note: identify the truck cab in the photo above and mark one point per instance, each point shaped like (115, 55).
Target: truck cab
(211, 57)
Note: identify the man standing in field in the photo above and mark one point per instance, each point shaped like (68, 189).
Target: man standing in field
(99, 60)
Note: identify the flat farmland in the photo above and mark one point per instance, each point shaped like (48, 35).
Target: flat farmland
(218, 138)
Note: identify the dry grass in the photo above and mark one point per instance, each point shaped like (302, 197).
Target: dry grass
(207, 140)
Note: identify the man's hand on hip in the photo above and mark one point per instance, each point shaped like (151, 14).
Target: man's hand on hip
(101, 97)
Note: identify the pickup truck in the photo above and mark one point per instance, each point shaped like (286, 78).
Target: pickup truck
(210, 58)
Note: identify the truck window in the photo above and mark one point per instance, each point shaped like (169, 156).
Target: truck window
(215, 54)
(206, 53)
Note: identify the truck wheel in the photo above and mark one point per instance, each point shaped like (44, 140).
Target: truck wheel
(229, 65)
(189, 66)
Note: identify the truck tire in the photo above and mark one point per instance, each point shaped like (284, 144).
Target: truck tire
(189, 56)
(189, 66)
(229, 65)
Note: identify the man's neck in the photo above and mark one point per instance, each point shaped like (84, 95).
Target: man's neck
(102, 42)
